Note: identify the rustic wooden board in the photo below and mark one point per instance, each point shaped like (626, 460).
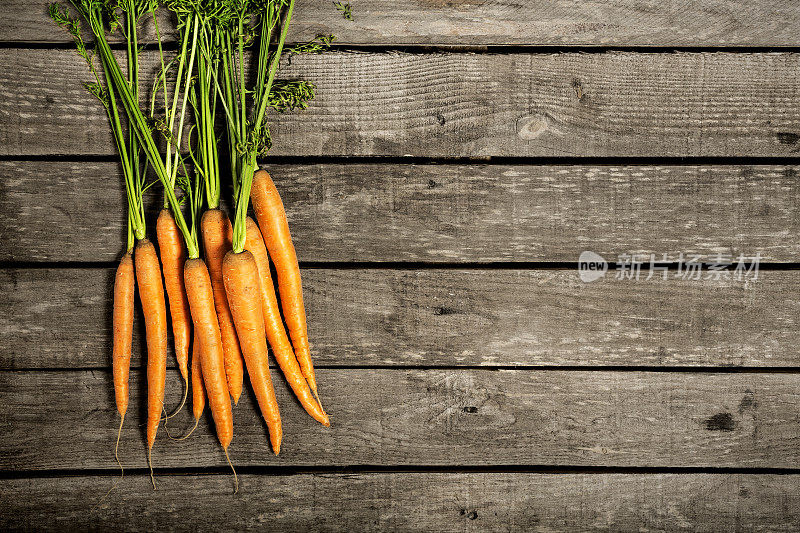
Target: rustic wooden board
(56, 420)
(405, 502)
(527, 22)
(465, 105)
(58, 318)
(74, 211)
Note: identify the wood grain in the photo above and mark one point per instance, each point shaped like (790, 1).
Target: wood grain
(404, 502)
(58, 420)
(464, 105)
(74, 211)
(54, 318)
(525, 22)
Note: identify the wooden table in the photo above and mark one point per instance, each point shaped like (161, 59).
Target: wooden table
(458, 158)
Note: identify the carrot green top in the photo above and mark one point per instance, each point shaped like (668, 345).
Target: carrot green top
(208, 68)
(102, 17)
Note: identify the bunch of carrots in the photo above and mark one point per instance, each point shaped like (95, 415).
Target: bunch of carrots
(223, 304)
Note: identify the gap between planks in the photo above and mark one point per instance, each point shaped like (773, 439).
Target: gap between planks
(392, 265)
(495, 368)
(347, 470)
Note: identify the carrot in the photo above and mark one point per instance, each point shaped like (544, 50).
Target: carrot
(215, 228)
(151, 294)
(212, 360)
(198, 394)
(276, 334)
(124, 287)
(271, 217)
(173, 256)
(242, 287)
(123, 330)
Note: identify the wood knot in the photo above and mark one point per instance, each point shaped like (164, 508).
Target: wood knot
(721, 422)
(531, 126)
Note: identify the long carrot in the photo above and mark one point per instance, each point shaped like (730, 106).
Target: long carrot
(242, 287)
(173, 256)
(271, 217)
(124, 288)
(276, 334)
(212, 360)
(215, 228)
(198, 392)
(151, 294)
(123, 330)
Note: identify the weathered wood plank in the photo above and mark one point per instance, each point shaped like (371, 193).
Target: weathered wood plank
(62, 319)
(410, 502)
(465, 105)
(56, 420)
(74, 211)
(560, 22)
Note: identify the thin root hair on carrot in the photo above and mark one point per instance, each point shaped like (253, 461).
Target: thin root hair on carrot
(165, 418)
(235, 477)
(150, 464)
(121, 469)
(196, 423)
(116, 447)
(180, 407)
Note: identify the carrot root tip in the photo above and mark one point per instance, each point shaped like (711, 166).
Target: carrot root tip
(121, 470)
(235, 477)
(150, 464)
(196, 423)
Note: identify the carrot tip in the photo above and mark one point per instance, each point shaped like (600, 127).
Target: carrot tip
(150, 464)
(235, 477)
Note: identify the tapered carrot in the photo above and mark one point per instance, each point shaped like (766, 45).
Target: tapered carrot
(216, 230)
(151, 294)
(124, 288)
(198, 392)
(123, 330)
(212, 360)
(173, 256)
(271, 217)
(244, 296)
(276, 334)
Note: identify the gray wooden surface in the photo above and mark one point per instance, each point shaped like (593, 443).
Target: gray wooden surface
(464, 105)
(473, 381)
(451, 317)
(73, 211)
(401, 417)
(447, 502)
(521, 22)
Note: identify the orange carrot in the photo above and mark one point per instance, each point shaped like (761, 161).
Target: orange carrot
(271, 217)
(123, 330)
(124, 288)
(212, 360)
(216, 230)
(154, 308)
(173, 256)
(276, 334)
(198, 394)
(240, 274)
